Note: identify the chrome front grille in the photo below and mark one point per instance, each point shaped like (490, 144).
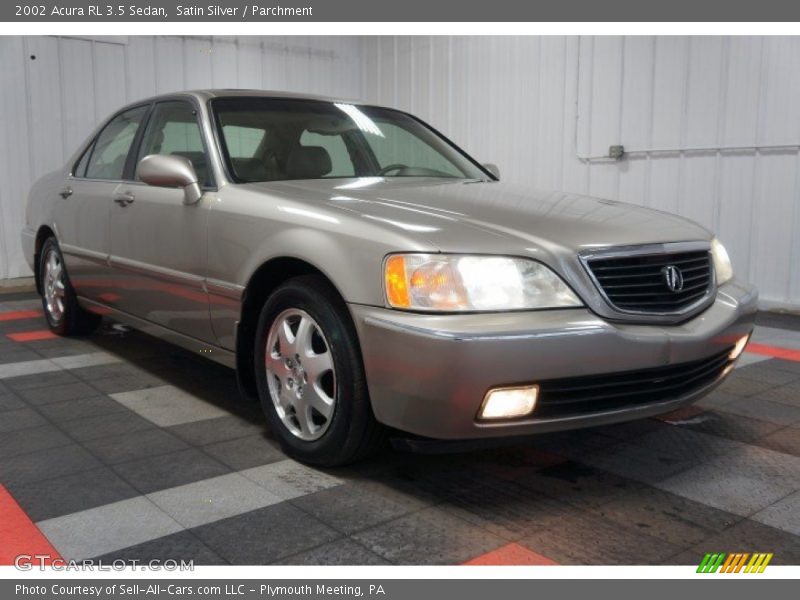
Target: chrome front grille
(660, 283)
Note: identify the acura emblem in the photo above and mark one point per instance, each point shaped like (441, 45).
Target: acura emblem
(673, 278)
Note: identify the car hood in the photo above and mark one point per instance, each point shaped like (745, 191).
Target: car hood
(459, 216)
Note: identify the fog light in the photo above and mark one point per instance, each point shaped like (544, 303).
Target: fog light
(739, 347)
(507, 403)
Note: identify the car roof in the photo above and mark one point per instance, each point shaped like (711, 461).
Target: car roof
(207, 94)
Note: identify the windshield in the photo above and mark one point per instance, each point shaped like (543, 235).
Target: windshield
(269, 139)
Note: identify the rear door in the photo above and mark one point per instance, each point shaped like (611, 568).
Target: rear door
(83, 209)
(158, 243)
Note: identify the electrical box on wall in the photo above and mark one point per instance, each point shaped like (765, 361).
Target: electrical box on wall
(616, 152)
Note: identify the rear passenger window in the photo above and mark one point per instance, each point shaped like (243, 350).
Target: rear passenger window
(173, 130)
(80, 167)
(107, 158)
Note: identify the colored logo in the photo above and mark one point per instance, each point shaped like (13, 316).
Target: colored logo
(673, 278)
(736, 562)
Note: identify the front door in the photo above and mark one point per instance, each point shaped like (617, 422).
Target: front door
(158, 243)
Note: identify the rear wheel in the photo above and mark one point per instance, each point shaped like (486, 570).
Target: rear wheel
(310, 376)
(64, 314)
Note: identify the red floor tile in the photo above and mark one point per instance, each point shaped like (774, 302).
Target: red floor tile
(511, 554)
(19, 535)
(15, 315)
(773, 351)
(32, 336)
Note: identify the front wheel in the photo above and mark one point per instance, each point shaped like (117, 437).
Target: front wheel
(310, 376)
(64, 314)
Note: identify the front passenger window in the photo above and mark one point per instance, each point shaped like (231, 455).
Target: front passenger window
(110, 152)
(173, 130)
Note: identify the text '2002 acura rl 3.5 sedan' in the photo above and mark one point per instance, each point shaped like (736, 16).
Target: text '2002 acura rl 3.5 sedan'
(361, 273)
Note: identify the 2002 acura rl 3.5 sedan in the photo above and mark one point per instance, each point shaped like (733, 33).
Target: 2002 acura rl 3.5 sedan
(361, 271)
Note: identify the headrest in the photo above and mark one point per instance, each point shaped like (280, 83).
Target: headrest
(158, 139)
(308, 162)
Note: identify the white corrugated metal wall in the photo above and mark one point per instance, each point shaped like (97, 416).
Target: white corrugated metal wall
(50, 103)
(714, 123)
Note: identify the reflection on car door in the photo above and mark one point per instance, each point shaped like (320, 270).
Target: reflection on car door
(83, 209)
(159, 244)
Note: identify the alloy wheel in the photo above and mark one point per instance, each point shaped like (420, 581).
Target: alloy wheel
(300, 374)
(53, 285)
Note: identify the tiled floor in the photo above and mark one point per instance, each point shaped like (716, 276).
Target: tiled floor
(121, 446)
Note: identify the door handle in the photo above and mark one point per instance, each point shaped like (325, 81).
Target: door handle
(124, 198)
(65, 193)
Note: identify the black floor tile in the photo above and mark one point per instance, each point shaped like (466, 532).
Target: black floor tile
(340, 552)
(181, 546)
(45, 382)
(169, 470)
(46, 464)
(244, 453)
(765, 410)
(71, 493)
(428, 537)
(17, 353)
(125, 383)
(592, 540)
(744, 386)
(111, 370)
(784, 365)
(750, 536)
(354, 507)
(728, 425)
(21, 418)
(265, 535)
(510, 512)
(58, 393)
(62, 347)
(101, 426)
(134, 446)
(630, 429)
(80, 408)
(202, 433)
(761, 373)
(9, 401)
(577, 484)
(785, 440)
(17, 443)
(786, 394)
(663, 515)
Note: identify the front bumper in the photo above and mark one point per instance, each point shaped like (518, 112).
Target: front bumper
(428, 374)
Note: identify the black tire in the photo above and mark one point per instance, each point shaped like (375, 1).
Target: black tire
(353, 433)
(73, 320)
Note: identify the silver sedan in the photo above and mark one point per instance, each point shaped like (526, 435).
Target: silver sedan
(362, 273)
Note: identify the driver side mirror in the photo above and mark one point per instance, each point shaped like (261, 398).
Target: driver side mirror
(161, 170)
(493, 169)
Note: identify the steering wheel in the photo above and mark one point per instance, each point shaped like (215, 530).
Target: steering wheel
(392, 167)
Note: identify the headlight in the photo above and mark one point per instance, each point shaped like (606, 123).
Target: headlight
(448, 283)
(722, 262)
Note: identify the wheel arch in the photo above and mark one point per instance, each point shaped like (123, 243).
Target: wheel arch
(42, 234)
(266, 279)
